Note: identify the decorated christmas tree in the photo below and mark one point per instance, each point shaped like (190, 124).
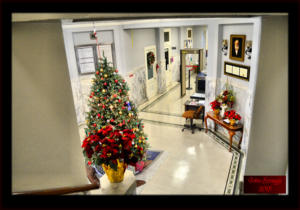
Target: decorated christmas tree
(114, 134)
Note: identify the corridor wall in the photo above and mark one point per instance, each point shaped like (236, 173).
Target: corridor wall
(46, 150)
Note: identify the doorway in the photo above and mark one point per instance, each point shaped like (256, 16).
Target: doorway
(151, 74)
(167, 56)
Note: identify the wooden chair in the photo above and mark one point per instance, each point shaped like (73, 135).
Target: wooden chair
(192, 114)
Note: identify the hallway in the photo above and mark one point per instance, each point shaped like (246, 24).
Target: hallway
(196, 163)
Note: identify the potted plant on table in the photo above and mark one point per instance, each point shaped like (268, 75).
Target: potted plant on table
(215, 106)
(233, 117)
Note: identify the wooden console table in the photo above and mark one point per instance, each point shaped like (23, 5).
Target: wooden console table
(231, 129)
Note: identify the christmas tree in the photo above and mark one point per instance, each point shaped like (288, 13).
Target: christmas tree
(114, 132)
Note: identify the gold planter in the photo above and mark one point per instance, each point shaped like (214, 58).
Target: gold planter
(232, 122)
(115, 176)
(217, 112)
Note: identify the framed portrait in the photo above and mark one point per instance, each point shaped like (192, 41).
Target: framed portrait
(237, 47)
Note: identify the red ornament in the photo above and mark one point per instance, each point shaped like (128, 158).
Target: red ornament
(143, 126)
(112, 120)
(123, 80)
(95, 125)
(97, 72)
(102, 117)
(119, 100)
(120, 90)
(98, 115)
(116, 70)
(104, 97)
(105, 83)
(89, 133)
(120, 124)
(102, 78)
(115, 95)
(93, 93)
(116, 81)
(103, 106)
(91, 96)
(89, 162)
(123, 107)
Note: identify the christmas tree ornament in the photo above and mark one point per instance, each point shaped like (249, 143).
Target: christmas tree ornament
(120, 90)
(123, 107)
(102, 78)
(98, 115)
(91, 96)
(115, 95)
(105, 83)
(95, 125)
(116, 70)
(120, 112)
(103, 90)
(97, 72)
(105, 75)
(112, 120)
(120, 101)
(116, 81)
(101, 70)
(111, 106)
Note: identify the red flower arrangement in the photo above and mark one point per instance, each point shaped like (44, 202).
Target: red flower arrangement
(215, 105)
(109, 145)
(232, 114)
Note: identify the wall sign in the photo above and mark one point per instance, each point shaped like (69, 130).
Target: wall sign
(237, 70)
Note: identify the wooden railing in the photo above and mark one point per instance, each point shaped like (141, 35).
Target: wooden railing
(59, 191)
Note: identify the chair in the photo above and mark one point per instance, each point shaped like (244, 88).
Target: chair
(192, 114)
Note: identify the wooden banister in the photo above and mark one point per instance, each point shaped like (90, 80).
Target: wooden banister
(60, 190)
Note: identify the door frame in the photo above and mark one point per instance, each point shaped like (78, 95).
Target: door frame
(146, 50)
(168, 44)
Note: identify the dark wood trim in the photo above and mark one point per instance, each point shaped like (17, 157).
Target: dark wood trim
(60, 190)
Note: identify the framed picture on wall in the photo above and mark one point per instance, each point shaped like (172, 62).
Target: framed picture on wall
(237, 70)
(237, 47)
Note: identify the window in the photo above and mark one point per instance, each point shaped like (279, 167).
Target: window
(166, 36)
(87, 57)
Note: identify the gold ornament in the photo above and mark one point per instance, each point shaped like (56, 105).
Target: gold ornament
(103, 91)
(101, 70)
(105, 75)
(120, 145)
(135, 146)
(108, 154)
(140, 141)
(129, 114)
(111, 106)
(120, 112)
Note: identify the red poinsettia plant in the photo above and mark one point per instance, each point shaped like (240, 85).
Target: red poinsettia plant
(215, 105)
(110, 144)
(232, 114)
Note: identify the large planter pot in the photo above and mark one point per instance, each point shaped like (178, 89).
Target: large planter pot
(115, 176)
(232, 122)
(216, 112)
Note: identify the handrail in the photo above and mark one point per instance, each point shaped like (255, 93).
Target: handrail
(60, 190)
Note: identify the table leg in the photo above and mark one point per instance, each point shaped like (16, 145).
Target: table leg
(205, 120)
(241, 140)
(231, 133)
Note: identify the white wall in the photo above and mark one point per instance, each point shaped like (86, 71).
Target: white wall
(46, 148)
(134, 43)
(104, 37)
(268, 148)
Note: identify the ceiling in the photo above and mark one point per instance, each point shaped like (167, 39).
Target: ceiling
(76, 17)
